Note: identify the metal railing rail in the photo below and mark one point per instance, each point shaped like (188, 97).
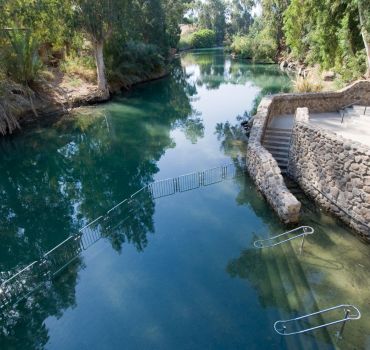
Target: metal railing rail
(301, 231)
(281, 326)
(22, 283)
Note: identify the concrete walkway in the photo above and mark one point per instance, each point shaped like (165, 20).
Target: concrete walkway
(353, 128)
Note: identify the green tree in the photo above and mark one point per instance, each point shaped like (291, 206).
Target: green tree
(240, 16)
(331, 33)
(212, 15)
(364, 16)
(273, 18)
(97, 18)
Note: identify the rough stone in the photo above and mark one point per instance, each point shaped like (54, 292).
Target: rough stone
(307, 163)
(343, 190)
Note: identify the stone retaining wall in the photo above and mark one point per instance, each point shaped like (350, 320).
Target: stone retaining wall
(265, 171)
(334, 171)
(319, 102)
(260, 163)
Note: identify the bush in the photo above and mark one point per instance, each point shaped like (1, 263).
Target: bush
(352, 67)
(19, 58)
(203, 38)
(242, 45)
(259, 48)
(265, 50)
(185, 42)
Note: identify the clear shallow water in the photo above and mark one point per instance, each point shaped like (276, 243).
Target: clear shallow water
(183, 273)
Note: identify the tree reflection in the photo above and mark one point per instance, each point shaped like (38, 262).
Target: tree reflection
(54, 180)
(218, 68)
(23, 326)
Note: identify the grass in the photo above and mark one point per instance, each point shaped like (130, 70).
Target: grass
(80, 67)
(307, 84)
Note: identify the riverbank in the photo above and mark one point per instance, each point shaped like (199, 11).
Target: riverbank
(57, 96)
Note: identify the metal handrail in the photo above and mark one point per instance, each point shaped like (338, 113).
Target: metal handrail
(307, 230)
(280, 326)
(92, 222)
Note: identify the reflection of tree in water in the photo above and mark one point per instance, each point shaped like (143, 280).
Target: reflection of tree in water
(233, 141)
(54, 181)
(217, 69)
(192, 127)
(130, 222)
(211, 69)
(23, 327)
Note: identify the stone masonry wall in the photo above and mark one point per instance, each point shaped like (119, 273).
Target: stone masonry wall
(334, 171)
(266, 173)
(260, 163)
(319, 102)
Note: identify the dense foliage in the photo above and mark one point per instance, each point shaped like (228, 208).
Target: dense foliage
(203, 38)
(257, 45)
(105, 42)
(44, 31)
(332, 33)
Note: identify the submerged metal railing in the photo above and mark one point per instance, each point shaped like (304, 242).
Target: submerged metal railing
(282, 326)
(25, 281)
(273, 241)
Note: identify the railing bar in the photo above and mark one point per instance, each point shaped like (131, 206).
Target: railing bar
(18, 273)
(347, 317)
(93, 221)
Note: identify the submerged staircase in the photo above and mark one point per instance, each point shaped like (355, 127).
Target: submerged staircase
(277, 142)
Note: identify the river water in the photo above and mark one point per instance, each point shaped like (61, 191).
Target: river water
(182, 273)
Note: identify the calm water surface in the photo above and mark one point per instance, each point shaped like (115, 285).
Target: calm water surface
(181, 273)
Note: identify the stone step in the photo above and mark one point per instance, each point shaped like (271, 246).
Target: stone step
(276, 133)
(281, 154)
(276, 138)
(278, 142)
(281, 160)
(288, 131)
(277, 148)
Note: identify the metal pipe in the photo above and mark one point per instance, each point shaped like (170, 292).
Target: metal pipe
(302, 244)
(344, 322)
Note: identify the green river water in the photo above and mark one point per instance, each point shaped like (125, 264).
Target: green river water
(183, 272)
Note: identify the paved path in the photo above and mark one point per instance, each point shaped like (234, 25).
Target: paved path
(355, 127)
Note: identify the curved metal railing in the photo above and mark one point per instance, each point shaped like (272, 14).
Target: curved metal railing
(273, 241)
(281, 326)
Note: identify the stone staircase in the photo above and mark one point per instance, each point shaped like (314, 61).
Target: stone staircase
(277, 142)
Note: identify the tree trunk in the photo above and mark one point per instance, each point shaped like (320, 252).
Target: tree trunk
(100, 69)
(365, 37)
